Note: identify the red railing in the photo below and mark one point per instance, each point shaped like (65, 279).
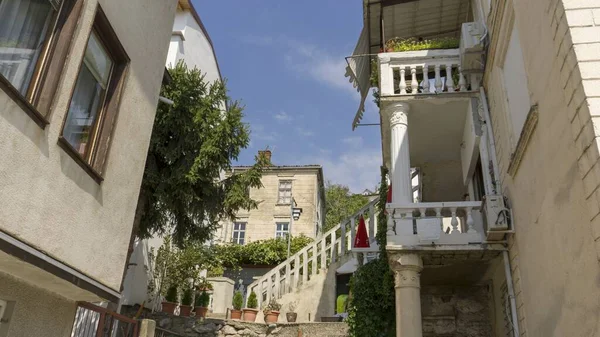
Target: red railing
(94, 321)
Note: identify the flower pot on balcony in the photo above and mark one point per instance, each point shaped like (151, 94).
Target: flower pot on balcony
(237, 314)
(250, 314)
(168, 307)
(185, 310)
(201, 311)
(291, 317)
(271, 317)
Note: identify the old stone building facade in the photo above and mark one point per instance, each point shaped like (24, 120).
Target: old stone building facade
(304, 184)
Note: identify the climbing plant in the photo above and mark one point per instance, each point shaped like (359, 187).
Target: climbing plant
(371, 311)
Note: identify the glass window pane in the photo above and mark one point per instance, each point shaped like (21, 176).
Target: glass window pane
(242, 235)
(83, 110)
(98, 61)
(243, 226)
(24, 25)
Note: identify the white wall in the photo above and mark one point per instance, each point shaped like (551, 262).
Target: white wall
(194, 48)
(48, 200)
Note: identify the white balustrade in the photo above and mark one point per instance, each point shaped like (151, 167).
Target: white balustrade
(408, 73)
(302, 266)
(452, 223)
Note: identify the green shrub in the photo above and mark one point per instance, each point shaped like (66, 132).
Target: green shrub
(171, 294)
(411, 44)
(252, 301)
(202, 299)
(341, 303)
(238, 300)
(187, 297)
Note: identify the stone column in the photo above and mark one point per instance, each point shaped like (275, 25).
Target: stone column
(407, 269)
(400, 156)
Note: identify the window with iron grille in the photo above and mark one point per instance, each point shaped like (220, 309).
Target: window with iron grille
(285, 192)
(282, 229)
(239, 233)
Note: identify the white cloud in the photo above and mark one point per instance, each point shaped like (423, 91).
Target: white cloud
(283, 117)
(258, 132)
(354, 141)
(305, 132)
(358, 168)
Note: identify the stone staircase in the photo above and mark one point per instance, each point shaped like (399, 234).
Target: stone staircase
(310, 266)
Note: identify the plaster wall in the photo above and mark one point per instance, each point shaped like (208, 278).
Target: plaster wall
(553, 193)
(48, 200)
(190, 44)
(222, 295)
(34, 311)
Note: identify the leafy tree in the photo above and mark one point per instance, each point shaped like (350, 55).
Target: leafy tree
(252, 301)
(193, 141)
(238, 300)
(340, 204)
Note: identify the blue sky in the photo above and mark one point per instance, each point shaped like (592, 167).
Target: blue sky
(285, 61)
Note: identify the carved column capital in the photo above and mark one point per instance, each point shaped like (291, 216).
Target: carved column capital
(407, 278)
(397, 113)
(407, 269)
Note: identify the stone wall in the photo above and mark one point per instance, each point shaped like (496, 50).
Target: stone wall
(455, 311)
(191, 327)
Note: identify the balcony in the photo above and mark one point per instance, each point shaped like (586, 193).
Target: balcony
(424, 74)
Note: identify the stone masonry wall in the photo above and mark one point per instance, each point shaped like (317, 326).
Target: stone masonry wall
(455, 311)
(191, 327)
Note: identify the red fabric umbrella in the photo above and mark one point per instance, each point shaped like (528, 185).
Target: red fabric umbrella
(361, 240)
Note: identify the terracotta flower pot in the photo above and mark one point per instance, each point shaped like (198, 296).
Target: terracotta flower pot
(168, 307)
(291, 316)
(250, 314)
(271, 317)
(185, 310)
(201, 311)
(236, 314)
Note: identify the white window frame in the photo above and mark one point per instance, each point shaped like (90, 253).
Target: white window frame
(282, 199)
(239, 231)
(281, 233)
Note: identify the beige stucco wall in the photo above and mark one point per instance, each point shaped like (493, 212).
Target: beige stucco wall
(47, 200)
(36, 312)
(553, 255)
(261, 221)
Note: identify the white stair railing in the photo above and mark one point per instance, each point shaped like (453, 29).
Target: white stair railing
(314, 258)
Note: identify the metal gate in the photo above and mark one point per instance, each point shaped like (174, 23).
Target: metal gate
(94, 321)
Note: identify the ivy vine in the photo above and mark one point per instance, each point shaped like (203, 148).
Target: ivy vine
(372, 310)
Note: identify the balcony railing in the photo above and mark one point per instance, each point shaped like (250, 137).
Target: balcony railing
(424, 72)
(439, 223)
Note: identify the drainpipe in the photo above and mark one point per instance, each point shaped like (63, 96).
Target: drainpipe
(165, 100)
(488, 123)
(511, 295)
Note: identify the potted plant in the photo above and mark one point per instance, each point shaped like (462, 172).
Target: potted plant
(238, 302)
(271, 311)
(170, 302)
(250, 311)
(186, 303)
(202, 301)
(291, 315)
(204, 285)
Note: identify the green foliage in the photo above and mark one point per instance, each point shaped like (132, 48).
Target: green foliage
(263, 252)
(238, 300)
(192, 142)
(371, 311)
(215, 271)
(252, 301)
(204, 284)
(340, 204)
(187, 298)
(171, 294)
(411, 44)
(202, 299)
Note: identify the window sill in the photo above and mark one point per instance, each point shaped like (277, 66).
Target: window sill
(64, 144)
(22, 102)
(528, 128)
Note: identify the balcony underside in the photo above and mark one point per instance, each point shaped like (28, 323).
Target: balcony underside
(440, 255)
(436, 124)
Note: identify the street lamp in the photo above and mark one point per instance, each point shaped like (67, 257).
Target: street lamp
(294, 215)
